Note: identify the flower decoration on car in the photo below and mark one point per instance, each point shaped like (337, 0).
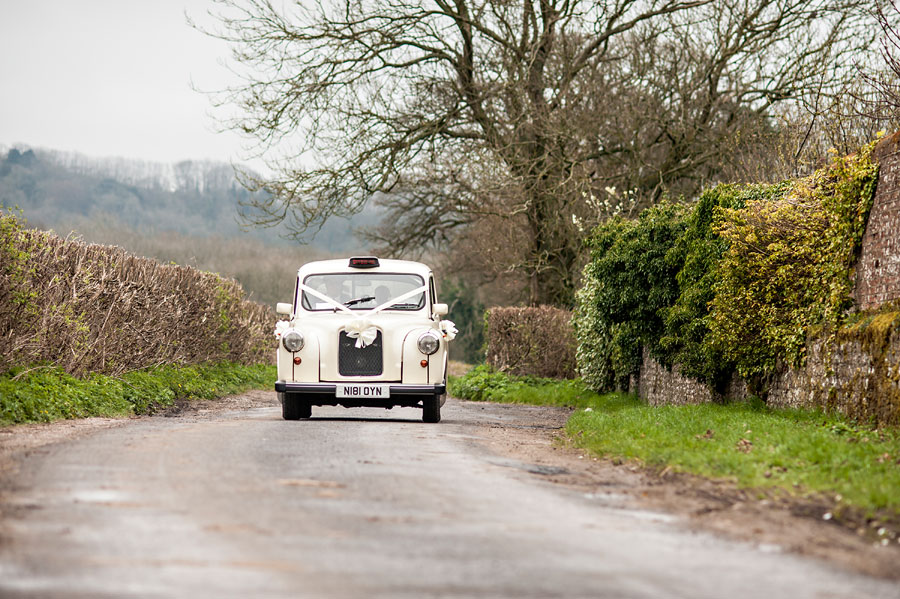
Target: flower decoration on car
(280, 327)
(449, 330)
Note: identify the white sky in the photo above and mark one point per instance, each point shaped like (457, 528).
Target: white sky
(112, 78)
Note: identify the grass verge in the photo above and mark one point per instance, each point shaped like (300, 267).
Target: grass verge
(800, 452)
(45, 393)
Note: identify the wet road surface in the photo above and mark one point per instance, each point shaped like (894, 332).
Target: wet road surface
(353, 503)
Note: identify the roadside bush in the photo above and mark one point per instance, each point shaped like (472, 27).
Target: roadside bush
(531, 341)
(91, 308)
(736, 282)
(626, 284)
(789, 264)
(696, 255)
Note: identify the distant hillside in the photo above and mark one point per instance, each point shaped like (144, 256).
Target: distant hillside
(68, 191)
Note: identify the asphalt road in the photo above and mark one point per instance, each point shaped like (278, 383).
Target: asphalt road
(360, 503)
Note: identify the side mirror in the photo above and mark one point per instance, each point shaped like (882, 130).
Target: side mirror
(283, 309)
(441, 309)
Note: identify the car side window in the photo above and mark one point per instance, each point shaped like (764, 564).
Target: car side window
(431, 288)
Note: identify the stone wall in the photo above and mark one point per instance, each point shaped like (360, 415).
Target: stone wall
(878, 268)
(857, 374)
(658, 385)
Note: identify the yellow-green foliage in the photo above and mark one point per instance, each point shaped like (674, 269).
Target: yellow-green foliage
(789, 264)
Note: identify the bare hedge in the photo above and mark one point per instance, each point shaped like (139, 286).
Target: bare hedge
(531, 341)
(93, 308)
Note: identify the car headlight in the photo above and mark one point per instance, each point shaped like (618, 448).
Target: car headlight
(428, 342)
(292, 340)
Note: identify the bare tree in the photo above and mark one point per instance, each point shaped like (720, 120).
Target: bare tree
(547, 114)
(880, 98)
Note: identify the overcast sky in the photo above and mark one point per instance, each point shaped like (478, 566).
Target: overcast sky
(111, 78)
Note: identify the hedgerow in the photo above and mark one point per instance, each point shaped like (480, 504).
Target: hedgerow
(92, 308)
(535, 341)
(736, 282)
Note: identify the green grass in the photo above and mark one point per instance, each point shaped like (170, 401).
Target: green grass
(483, 384)
(46, 393)
(801, 452)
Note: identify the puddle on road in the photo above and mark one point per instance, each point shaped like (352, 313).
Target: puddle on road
(532, 468)
(305, 482)
(97, 496)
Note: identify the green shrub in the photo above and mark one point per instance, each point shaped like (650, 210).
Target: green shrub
(626, 284)
(734, 283)
(789, 264)
(696, 254)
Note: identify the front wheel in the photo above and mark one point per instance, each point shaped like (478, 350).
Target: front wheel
(294, 407)
(431, 408)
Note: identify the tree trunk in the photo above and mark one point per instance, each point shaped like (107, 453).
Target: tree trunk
(554, 253)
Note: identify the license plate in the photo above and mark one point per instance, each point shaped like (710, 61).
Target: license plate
(359, 391)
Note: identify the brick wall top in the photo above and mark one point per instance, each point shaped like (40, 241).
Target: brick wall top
(878, 268)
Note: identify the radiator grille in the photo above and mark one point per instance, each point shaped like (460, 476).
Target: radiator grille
(354, 361)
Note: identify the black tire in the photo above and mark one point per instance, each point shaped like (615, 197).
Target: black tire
(431, 409)
(294, 408)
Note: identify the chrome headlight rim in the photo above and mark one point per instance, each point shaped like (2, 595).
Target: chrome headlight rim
(428, 343)
(293, 340)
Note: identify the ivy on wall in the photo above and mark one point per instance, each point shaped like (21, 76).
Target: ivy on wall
(789, 264)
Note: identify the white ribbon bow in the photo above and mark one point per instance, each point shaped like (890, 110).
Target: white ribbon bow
(448, 328)
(362, 330)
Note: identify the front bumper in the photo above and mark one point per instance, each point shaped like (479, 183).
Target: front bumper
(324, 394)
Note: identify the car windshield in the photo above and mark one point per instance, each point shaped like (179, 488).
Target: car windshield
(364, 291)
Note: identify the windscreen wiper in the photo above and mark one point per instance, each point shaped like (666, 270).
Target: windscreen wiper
(359, 300)
(404, 307)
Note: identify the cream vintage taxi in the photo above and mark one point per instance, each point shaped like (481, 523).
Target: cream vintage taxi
(363, 332)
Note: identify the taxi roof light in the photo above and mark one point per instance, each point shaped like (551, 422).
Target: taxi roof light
(364, 262)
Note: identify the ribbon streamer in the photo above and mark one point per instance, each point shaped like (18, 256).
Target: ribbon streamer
(362, 329)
